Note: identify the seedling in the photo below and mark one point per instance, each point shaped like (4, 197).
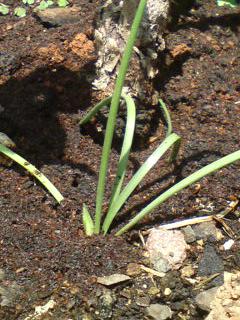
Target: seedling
(119, 195)
(4, 9)
(20, 12)
(63, 3)
(28, 2)
(44, 5)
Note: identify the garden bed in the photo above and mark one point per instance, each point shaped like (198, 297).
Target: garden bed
(44, 91)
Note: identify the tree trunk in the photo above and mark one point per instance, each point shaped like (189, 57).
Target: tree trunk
(113, 27)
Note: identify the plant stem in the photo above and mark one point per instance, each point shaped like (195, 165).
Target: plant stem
(113, 113)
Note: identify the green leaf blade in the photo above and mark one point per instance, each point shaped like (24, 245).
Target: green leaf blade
(33, 171)
(194, 177)
(137, 178)
(87, 221)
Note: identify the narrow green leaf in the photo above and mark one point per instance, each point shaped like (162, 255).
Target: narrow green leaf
(20, 12)
(87, 221)
(104, 103)
(194, 177)
(113, 112)
(33, 171)
(137, 178)
(126, 147)
(167, 117)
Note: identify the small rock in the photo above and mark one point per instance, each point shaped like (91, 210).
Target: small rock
(10, 294)
(153, 291)
(113, 279)
(54, 17)
(134, 269)
(207, 229)
(167, 249)
(187, 271)
(189, 234)
(210, 264)
(159, 312)
(228, 244)
(142, 301)
(105, 305)
(205, 298)
(167, 292)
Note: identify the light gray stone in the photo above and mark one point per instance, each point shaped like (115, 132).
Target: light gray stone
(58, 16)
(159, 312)
(167, 249)
(205, 298)
(189, 234)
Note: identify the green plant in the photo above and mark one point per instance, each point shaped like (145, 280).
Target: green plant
(63, 3)
(33, 171)
(4, 9)
(20, 12)
(119, 196)
(44, 4)
(228, 3)
(28, 2)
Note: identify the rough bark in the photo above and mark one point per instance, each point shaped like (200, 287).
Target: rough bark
(113, 27)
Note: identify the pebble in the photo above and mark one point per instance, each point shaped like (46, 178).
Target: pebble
(228, 244)
(167, 292)
(210, 264)
(205, 298)
(159, 312)
(206, 230)
(54, 17)
(142, 301)
(134, 269)
(167, 249)
(189, 234)
(187, 271)
(112, 279)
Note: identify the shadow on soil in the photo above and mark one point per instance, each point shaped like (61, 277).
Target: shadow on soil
(30, 109)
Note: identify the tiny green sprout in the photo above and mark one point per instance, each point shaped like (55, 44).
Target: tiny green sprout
(4, 10)
(20, 12)
(44, 4)
(63, 3)
(28, 2)
(228, 3)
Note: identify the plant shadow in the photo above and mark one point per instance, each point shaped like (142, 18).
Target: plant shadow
(33, 111)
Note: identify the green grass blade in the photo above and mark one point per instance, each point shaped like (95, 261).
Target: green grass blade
(168, 120)
(87, 221)
(137, 178)
(104, 103)
(194, 177)
(167, 117)
(33, 171)
(126, 147)
(113, 112)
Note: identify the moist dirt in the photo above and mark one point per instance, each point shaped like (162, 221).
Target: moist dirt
(45, 76)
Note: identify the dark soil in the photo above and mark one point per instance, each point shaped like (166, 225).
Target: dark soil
(44, 91)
